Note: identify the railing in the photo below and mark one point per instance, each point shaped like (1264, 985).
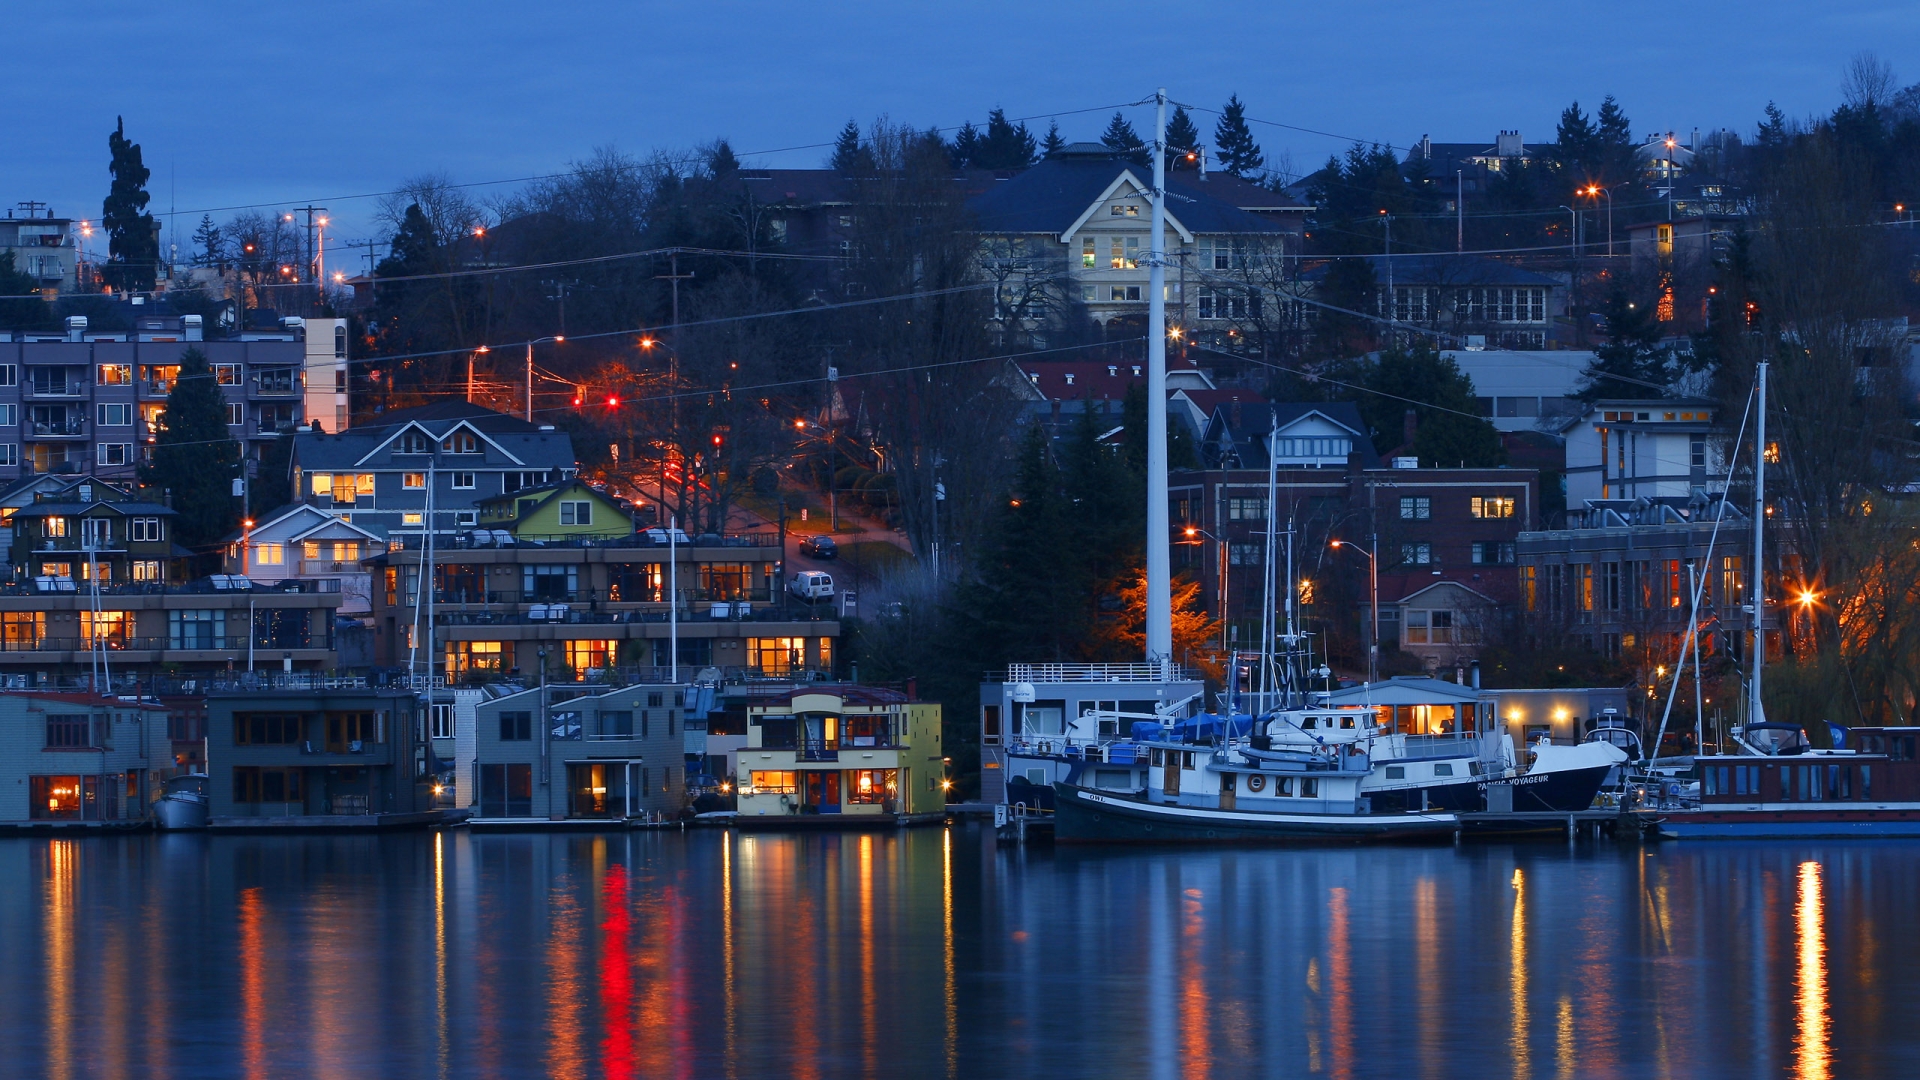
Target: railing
(156, 387)
(576, 617)
(191, 588)
(1064, 673)
(47, 429)
(816, 750)
(347, 804)
(448, 540)
(70, 390)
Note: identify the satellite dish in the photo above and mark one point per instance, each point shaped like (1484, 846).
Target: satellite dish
(1023, 693)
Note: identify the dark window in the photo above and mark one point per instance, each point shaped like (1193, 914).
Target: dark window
(654, 700)
(779, 732)
(69, 730)
(267, 729)
(616, 723)
(506, 790)
(516, 726)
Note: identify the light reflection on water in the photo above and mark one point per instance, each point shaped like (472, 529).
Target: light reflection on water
(934, 953)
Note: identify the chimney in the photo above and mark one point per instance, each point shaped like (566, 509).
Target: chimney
(1409, 425)
(76, 327)
(1426, 148)
(1509, 144)
(1203, 164)
(1474, 668)
(913, 689)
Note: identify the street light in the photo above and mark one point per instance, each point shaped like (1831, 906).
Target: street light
(1594, 191)
(1373, 589)
(1192, 532)
(556, 339)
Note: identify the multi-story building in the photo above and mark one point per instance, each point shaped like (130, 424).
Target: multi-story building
(80, 757)
(301, 542)
(377, 474)
(348, 755)
(97, 579)
(1625, 450)
(572, 604)
(564, 753)
(1068, 239)
(90, 402)
(1425, 527)
(42, 246)
(863, 754)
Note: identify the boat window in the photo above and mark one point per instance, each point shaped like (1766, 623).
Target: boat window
(1443, 770)
(1866, 783)
(1307, 724)
(1309, 787)
(1396, 772)
(1282, 785)
(1159, 758)
(1346, 723)
(1186, 757)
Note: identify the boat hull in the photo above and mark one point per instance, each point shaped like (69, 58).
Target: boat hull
(1770, 824)
(1091, 817)
(1558, 791)
(172, 812)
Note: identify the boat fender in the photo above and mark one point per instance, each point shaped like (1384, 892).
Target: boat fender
(1256, 782)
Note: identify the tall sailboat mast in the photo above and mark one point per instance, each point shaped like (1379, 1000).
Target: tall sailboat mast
(1159, 628)
(1756, 577)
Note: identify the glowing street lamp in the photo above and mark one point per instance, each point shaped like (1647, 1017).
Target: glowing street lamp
(1373, 589)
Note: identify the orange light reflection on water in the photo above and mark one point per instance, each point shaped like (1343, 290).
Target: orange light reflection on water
(1812, 1059)
(58, 895)
(1340, 984)
(1517, 980)
(1194, 1035)
(253, 1011)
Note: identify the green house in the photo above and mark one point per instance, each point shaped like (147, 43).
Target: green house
(558, 511)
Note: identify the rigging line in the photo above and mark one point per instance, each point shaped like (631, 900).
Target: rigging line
(1336, 382)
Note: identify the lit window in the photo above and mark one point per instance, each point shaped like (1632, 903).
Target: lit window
(412, 519)
(413, 481)
(1492, 506)
(269, 554)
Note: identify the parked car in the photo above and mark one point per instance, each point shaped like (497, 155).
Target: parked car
(819, 547)
(811, 585)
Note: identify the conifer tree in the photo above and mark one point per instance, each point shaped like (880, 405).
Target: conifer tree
(1632, 363)
(851, 156)
(1233, 140)
(1120, 138)
(965, 147)
(1053, 143)
(208, 241)
(195, 458)
(133, 249)
(19, 310)
(1183, 139)
(721, 163)
(1576, 143)
(1005, 145)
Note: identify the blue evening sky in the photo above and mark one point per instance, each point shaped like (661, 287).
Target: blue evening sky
(244, 102)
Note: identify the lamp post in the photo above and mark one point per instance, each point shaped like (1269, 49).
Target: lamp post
(1193, 531)
(1594, 191)
(1373, 591)
(557, 339)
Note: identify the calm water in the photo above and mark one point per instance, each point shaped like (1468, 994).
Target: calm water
(932, 953)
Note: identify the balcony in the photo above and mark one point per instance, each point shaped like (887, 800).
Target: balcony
(156, 387)
(72, 428)
(59, 391)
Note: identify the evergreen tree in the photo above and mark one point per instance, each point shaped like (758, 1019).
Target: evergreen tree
(1183, 141)
(1773, 130)
(721, 164)
(1448, 429)
(1028, 597)
(851, 157)
(1053, 143)
(1233, 140)
(209, 244)
(1576, 143)
(1120, 138)
(1005, 145)
(134, 250)
(19, 309)
(966, 146)
(1632, 363)
(1615, 162)
(195, 459)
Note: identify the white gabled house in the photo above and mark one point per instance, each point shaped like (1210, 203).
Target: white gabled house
(303, 542)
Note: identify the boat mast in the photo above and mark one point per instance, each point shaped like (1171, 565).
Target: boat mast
(1756, 577)
(1159, 628)
(1268, 616)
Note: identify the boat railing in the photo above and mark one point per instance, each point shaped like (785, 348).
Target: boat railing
(1460, 743)
(1077, 673)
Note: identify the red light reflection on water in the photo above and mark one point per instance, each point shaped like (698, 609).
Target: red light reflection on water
(616, 977)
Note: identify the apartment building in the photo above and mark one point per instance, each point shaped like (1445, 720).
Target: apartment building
(91, 401)
(98, 581)
(570, 605)
(346, 755)
(43, 247)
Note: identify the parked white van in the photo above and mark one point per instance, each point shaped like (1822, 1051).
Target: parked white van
(811, 585)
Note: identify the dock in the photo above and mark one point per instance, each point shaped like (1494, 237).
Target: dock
(1575, 823)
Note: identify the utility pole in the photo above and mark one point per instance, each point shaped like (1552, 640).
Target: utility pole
(675, 277)
(559, 293)
(312, 251)
(1159, 613)
(1756, 577)
(1459, 210)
